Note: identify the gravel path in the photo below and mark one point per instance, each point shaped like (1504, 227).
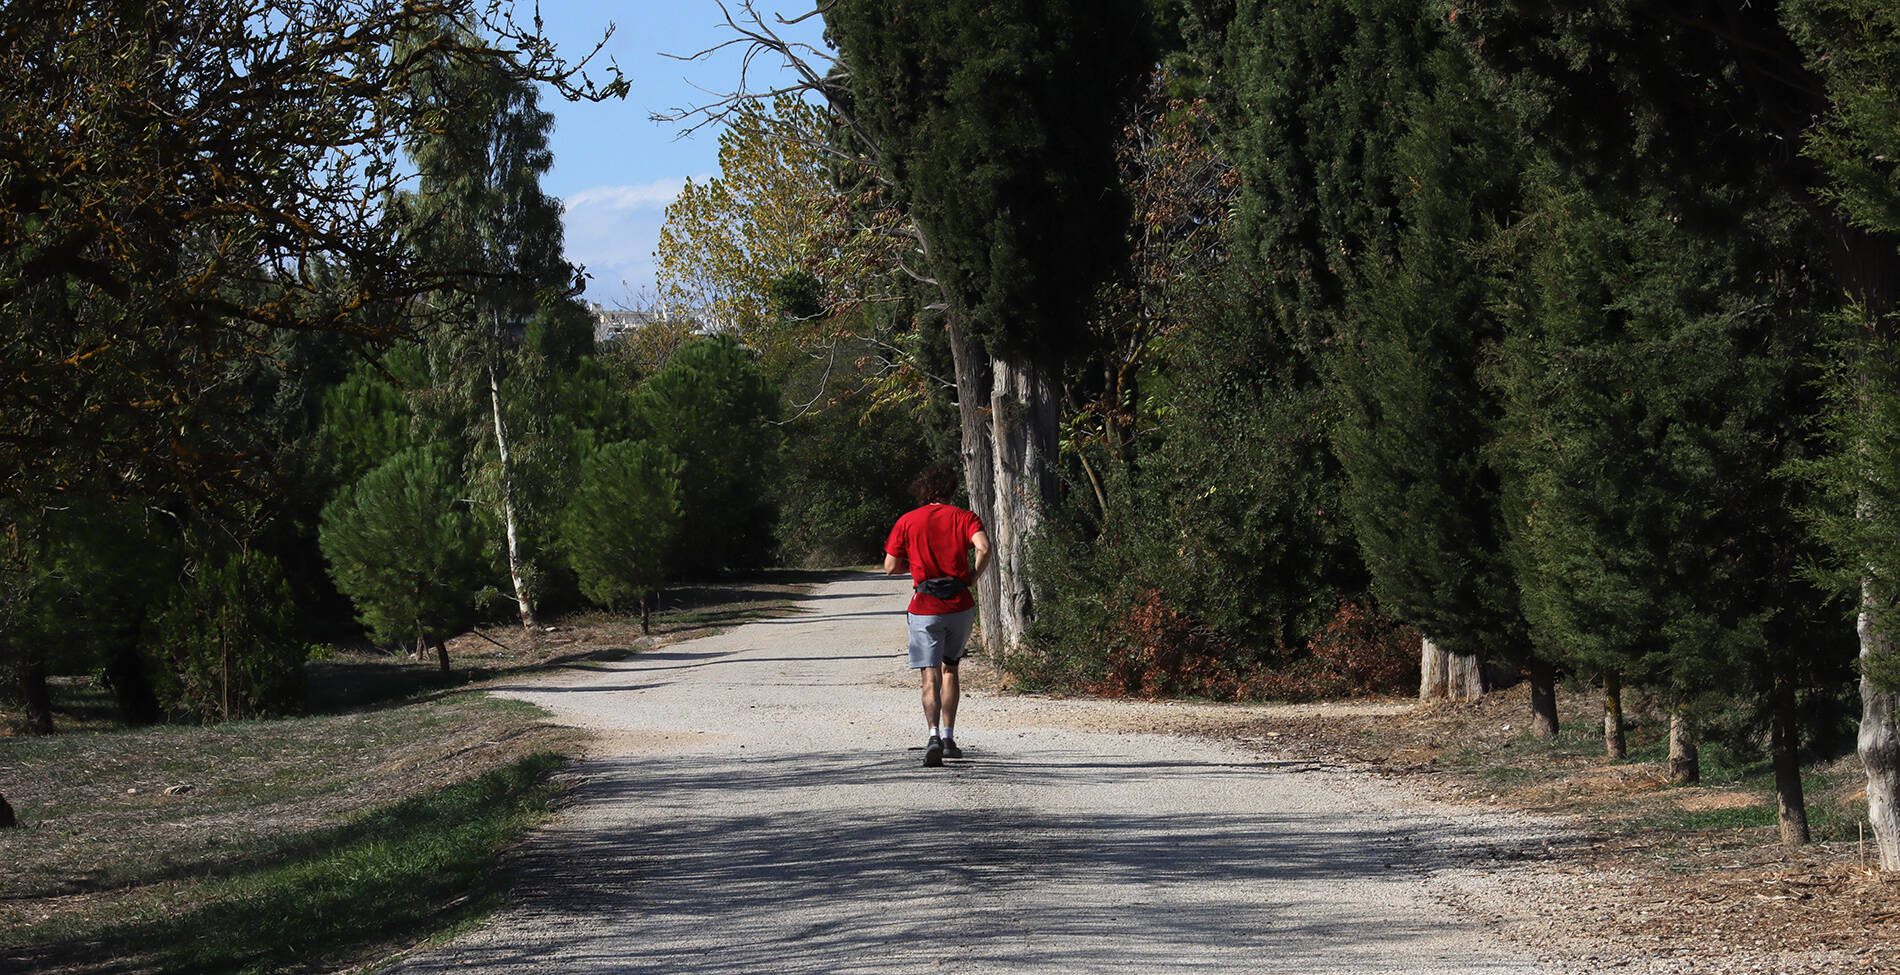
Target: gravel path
(758, 805)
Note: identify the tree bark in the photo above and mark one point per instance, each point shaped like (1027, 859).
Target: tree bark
(1447, 676)
(1466, 677)
(1615, 746)
(1024, 421)
(1879, 739)
(646, 615)
(1784, 742)
(1543, 699)
(7, 820)
(1685, 759)
(979, 470)
(1434, 667)
(442, 654)
(39, 697)
(517, 574)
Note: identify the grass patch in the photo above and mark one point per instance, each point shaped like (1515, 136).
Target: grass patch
(411, 866)
(260, 846)
(139, 846)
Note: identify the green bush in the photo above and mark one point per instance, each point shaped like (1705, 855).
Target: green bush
(230, 639)
(617, 528)
(405, 549)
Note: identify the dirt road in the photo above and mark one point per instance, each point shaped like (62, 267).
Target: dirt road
(759, 805)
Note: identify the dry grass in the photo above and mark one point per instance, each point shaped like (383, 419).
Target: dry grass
(120, 826)
(1696, 871)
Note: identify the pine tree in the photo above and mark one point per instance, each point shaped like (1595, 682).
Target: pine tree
(619, 527)
(711, 408)
(406, 550)
(479, 214)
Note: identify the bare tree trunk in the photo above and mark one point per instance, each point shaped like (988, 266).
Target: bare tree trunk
(979, 469)
(1879, 740)
(1785, 744)
(1466, 677)
(442, 654)
(1447, 676)
(1023, 424)
(1434, 667)
(1543, 699)
(646, 615)
(39, 697)
(1685, 759)
(1615, 746)
(517, 574)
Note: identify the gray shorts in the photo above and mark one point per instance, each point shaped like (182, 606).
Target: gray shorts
(939, 640)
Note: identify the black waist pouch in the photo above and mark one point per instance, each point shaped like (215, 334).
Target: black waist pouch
(942, 587)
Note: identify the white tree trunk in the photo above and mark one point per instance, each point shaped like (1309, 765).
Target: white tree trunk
(1447, 676)
(1467, 677)
(510, 528)
(1879, 740)
(979, 471)
(1434, 666)
(1023, 435)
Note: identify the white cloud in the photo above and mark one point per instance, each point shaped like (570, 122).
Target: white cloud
(644, 196)
(612, 230)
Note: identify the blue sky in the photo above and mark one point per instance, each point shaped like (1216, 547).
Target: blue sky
(616, 170)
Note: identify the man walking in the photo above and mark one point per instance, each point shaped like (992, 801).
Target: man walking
(934, 541)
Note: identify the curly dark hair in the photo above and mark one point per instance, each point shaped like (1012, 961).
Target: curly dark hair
(936, 483)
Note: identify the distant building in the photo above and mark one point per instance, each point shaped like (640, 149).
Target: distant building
(613, 323)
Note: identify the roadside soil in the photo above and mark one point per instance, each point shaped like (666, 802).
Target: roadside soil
(1629, 894)
(1632, 894)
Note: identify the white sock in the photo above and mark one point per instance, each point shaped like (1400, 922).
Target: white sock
(933, 732)
(949, 733)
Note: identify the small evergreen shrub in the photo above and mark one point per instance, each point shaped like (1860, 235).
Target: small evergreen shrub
(230, 641)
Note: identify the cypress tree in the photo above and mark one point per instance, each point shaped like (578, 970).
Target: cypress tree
(1854, 46)
(1417, 424)
(995, 122)
(1667, 314)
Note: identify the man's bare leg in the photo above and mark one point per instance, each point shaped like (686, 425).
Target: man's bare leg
(932, 696)
(951, 691)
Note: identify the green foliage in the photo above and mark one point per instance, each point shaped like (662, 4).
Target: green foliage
(230, 639)
(1855, 513)
(1653, 386)
(848, 464)
(403, 546)
(1854, 45)
(621, 523)
(366, 421)
(1417, 423)
(711, 408)
(995, 124)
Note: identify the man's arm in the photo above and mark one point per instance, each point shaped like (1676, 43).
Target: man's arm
(893, 565)
(981, 542)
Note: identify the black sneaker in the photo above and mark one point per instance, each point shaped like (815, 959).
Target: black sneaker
(933, 752)
(950, 749)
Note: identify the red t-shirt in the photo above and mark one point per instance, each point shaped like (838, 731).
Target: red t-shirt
(936, 540)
